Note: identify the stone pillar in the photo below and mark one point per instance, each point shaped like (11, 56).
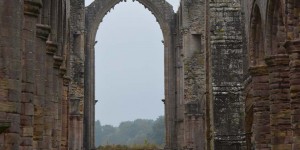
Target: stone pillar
(248, 97)
(261, 107)
(11, 21)
(77, 87)
(280, 114)
(57, 102)
(49, 103)
(193, 124)
(31, 12)
(65, 113)
(60, 68)
(293, 48)
(75, 124)
(40, 74)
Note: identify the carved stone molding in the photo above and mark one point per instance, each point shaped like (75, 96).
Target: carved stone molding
(62, 71)
(42, 31)
(258, 70)
(76, 117)
(51, 48)
(275, 60)
(32, 7)
(58, 60)
(66, 80)
(74, 107)
(293, 46)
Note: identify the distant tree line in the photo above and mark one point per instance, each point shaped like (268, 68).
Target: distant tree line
(145, 146)
(138, 132)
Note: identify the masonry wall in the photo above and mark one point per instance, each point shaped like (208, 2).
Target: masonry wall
(227, 46)
(220, 92)
(35, 74)
(190, 68)
(272, 29)
(77, 129)
(10, 73)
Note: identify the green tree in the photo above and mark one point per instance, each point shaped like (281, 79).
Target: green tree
(98, 133)
(131, 132)
(157, 135)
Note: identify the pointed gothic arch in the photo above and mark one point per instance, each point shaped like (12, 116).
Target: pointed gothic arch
(257, 53)
(165, 16)
(275, 23)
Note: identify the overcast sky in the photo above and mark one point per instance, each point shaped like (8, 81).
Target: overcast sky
(129, 65)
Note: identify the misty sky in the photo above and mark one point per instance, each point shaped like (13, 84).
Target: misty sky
(129, 65)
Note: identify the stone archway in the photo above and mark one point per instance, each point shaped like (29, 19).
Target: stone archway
(165, 16)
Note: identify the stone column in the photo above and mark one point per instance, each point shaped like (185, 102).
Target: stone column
(40, 74)
(11, 21)
(280, 114)
(49, 103)
(31, 12)
(248, 97)
(261, 107)
(57, 102)
(65, 113)
(194, 127)
(293, 48)
(75, 124)
(77, 85)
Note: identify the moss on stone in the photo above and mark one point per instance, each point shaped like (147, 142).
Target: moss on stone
(3, 126)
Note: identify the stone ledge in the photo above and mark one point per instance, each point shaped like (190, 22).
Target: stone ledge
(4, 125)
(32, 7)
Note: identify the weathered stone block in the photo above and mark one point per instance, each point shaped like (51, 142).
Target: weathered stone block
(27, 131)
(38, 114)
(4, 125)
(27, 109)
(14, 146)
(28, 87)
(14, 95)
(10, 107)
(27, 97)
(26, 141)
(26, 120)
(26, 148)
(2, 142)
(12, 138)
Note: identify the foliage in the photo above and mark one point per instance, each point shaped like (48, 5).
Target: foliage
(145, 146)
(138, 133)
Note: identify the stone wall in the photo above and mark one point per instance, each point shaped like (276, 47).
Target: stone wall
(35, 69)
(226, 33)
(272, 29)
(191, 74)
(210, 72)
(77, 128)
(231, 73)
(11, 22)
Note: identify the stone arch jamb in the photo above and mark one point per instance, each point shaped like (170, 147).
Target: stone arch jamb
(293, 48)
(259, 74)
(165, 16)
(278, 68)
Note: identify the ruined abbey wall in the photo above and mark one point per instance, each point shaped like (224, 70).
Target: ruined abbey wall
(40, 87)
(272, 98)
(211, 48)
(231, 73)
